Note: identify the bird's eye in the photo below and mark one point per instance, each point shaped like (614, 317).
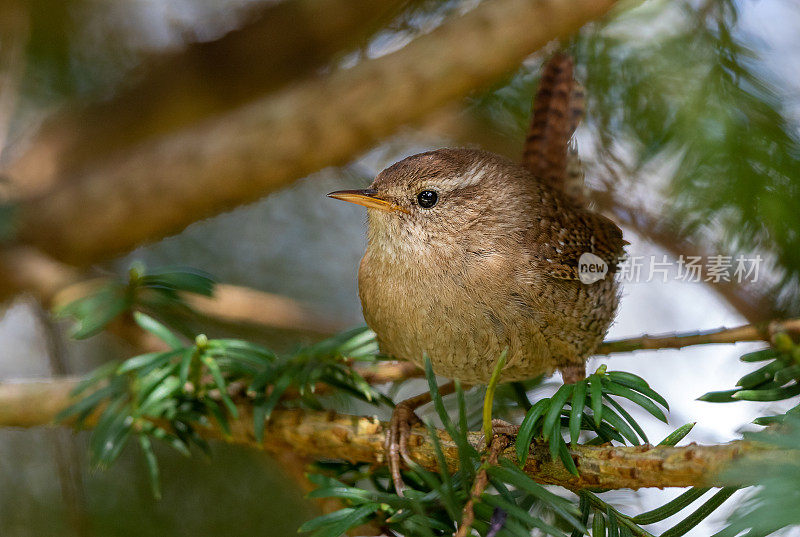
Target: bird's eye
(427, 198)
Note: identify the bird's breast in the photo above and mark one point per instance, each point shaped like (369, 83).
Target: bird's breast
(462, 311)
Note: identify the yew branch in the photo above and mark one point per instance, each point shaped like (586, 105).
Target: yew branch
(320, 434)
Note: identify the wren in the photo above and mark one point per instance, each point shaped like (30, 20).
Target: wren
(470, 255)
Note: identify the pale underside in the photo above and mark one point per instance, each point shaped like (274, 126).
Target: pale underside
(463, 313)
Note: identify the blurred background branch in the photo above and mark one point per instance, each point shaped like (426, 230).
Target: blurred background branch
(279, 43)
(14, 27)
(163, 185)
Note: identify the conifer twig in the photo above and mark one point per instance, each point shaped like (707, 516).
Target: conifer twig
(748, 332)
(397, 371)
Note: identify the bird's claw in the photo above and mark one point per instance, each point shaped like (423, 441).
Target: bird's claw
(503, 427)
(396, 442)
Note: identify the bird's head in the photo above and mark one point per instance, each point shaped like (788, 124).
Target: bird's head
(442, 198)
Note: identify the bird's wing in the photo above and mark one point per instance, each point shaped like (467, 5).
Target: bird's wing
(558, 244)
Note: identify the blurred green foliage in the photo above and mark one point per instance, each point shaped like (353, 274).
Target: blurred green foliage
(159, 293)
(693, 94)
(776, 381)
(772, 505)
(235, 491)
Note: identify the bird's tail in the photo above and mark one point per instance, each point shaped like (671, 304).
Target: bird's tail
(557, 109)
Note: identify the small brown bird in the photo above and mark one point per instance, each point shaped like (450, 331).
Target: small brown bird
(470, 254)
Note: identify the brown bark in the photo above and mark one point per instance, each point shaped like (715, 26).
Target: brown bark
(237, 304)
(282, 42)
(360, 439)
(164, 185)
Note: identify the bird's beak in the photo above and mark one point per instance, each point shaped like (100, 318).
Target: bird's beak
(368, 198)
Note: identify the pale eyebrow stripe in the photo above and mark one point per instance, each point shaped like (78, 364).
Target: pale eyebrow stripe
(471, 177)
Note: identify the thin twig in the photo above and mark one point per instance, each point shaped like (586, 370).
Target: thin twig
(66, 454)
(751, 301)
(748, 332)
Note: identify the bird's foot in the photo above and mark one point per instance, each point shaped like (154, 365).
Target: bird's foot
(503, 427)
(396, 442)
(403, 419)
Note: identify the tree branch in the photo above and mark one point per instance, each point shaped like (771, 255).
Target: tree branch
(232, 304)
(281, 42)
(26, 270)
(14, 27)
(748, 332)
(321, 434)
(54, 284)
(396, 371)
(162, 186)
